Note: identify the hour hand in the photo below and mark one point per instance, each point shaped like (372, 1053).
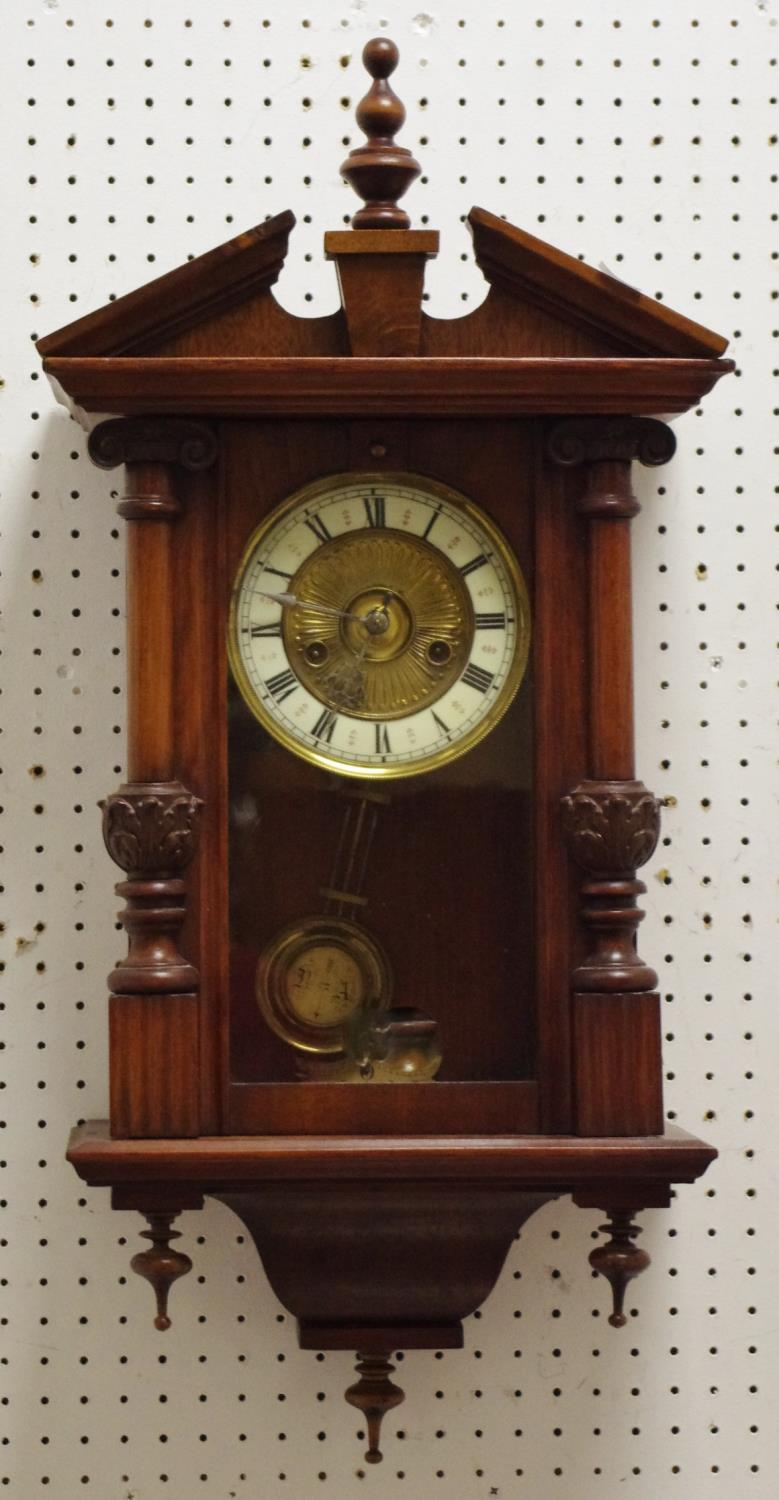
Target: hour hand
(291, 601)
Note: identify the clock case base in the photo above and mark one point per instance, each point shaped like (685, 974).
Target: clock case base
(385, 1242)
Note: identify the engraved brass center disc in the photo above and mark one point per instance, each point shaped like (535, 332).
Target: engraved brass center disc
(405, 635)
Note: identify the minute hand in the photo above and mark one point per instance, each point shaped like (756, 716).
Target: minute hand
(291, 601)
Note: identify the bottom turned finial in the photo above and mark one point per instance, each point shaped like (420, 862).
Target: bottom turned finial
(619, 1260)
(374, 1394)
(160, 1265)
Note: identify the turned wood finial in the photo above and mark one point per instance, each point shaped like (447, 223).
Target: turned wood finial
(374, 1394)
(619, 1260)
(160, 1265)
(379, 171)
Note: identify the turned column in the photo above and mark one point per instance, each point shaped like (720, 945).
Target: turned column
(150, 824)
(610, 819)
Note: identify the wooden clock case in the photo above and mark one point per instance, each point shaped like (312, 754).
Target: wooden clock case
(383, 1215)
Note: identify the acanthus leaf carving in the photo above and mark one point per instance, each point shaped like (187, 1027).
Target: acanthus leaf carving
(151, 829)
(612, 827)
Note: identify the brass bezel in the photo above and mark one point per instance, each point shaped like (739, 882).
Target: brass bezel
(286, 947)
(506, 694)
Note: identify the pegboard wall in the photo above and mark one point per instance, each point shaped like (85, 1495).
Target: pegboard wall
(137, 134)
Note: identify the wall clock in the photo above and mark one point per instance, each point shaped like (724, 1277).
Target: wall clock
(381, 824)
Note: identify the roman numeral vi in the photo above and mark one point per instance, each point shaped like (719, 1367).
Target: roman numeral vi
(375, 509)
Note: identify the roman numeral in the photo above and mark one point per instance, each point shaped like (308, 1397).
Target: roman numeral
(491, 622)
(382, 739)
(475, 562)
(476, 677)
(431, 522)
(317, 525)
(266, 568)
(282, 685)
(375, 509)
(439, 723)
(268, 631)
(325, 724)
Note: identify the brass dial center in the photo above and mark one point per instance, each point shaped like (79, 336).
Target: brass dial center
(404, 634)
(377, 621)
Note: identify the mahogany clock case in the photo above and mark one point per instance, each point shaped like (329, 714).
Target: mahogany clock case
(474, 896)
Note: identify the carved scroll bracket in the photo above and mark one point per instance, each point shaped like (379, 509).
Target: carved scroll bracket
(150, 446)
(608, 446)
(612, 827)
(150, 831)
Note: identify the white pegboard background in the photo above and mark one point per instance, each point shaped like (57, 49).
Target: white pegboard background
(137, 134)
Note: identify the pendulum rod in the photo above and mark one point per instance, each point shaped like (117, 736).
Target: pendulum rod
(343, 894)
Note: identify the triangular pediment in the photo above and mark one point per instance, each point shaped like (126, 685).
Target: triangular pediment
(207, 306)
(542, 302)
(533, 282)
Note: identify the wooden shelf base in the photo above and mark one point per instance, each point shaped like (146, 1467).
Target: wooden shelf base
(377, 1243)
(556, 1163)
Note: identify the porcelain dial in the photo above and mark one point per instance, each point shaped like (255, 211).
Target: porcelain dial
(379, 624)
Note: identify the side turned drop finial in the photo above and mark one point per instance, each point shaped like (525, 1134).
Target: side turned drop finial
(374, 1394)
(380, 172)
(161, 1265)
(619, 1260)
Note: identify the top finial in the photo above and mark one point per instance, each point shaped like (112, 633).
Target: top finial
(380, 171)
(380, 56)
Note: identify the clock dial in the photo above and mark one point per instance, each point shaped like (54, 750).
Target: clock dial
(379, 624)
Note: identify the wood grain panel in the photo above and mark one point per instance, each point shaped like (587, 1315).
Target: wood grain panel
(201, 757)
(619, 1088)
(358, 1108)
(154, 1065)
(612, 751)
(388, 1253)
(447, 387)
(560, 1161)
(561, 675)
